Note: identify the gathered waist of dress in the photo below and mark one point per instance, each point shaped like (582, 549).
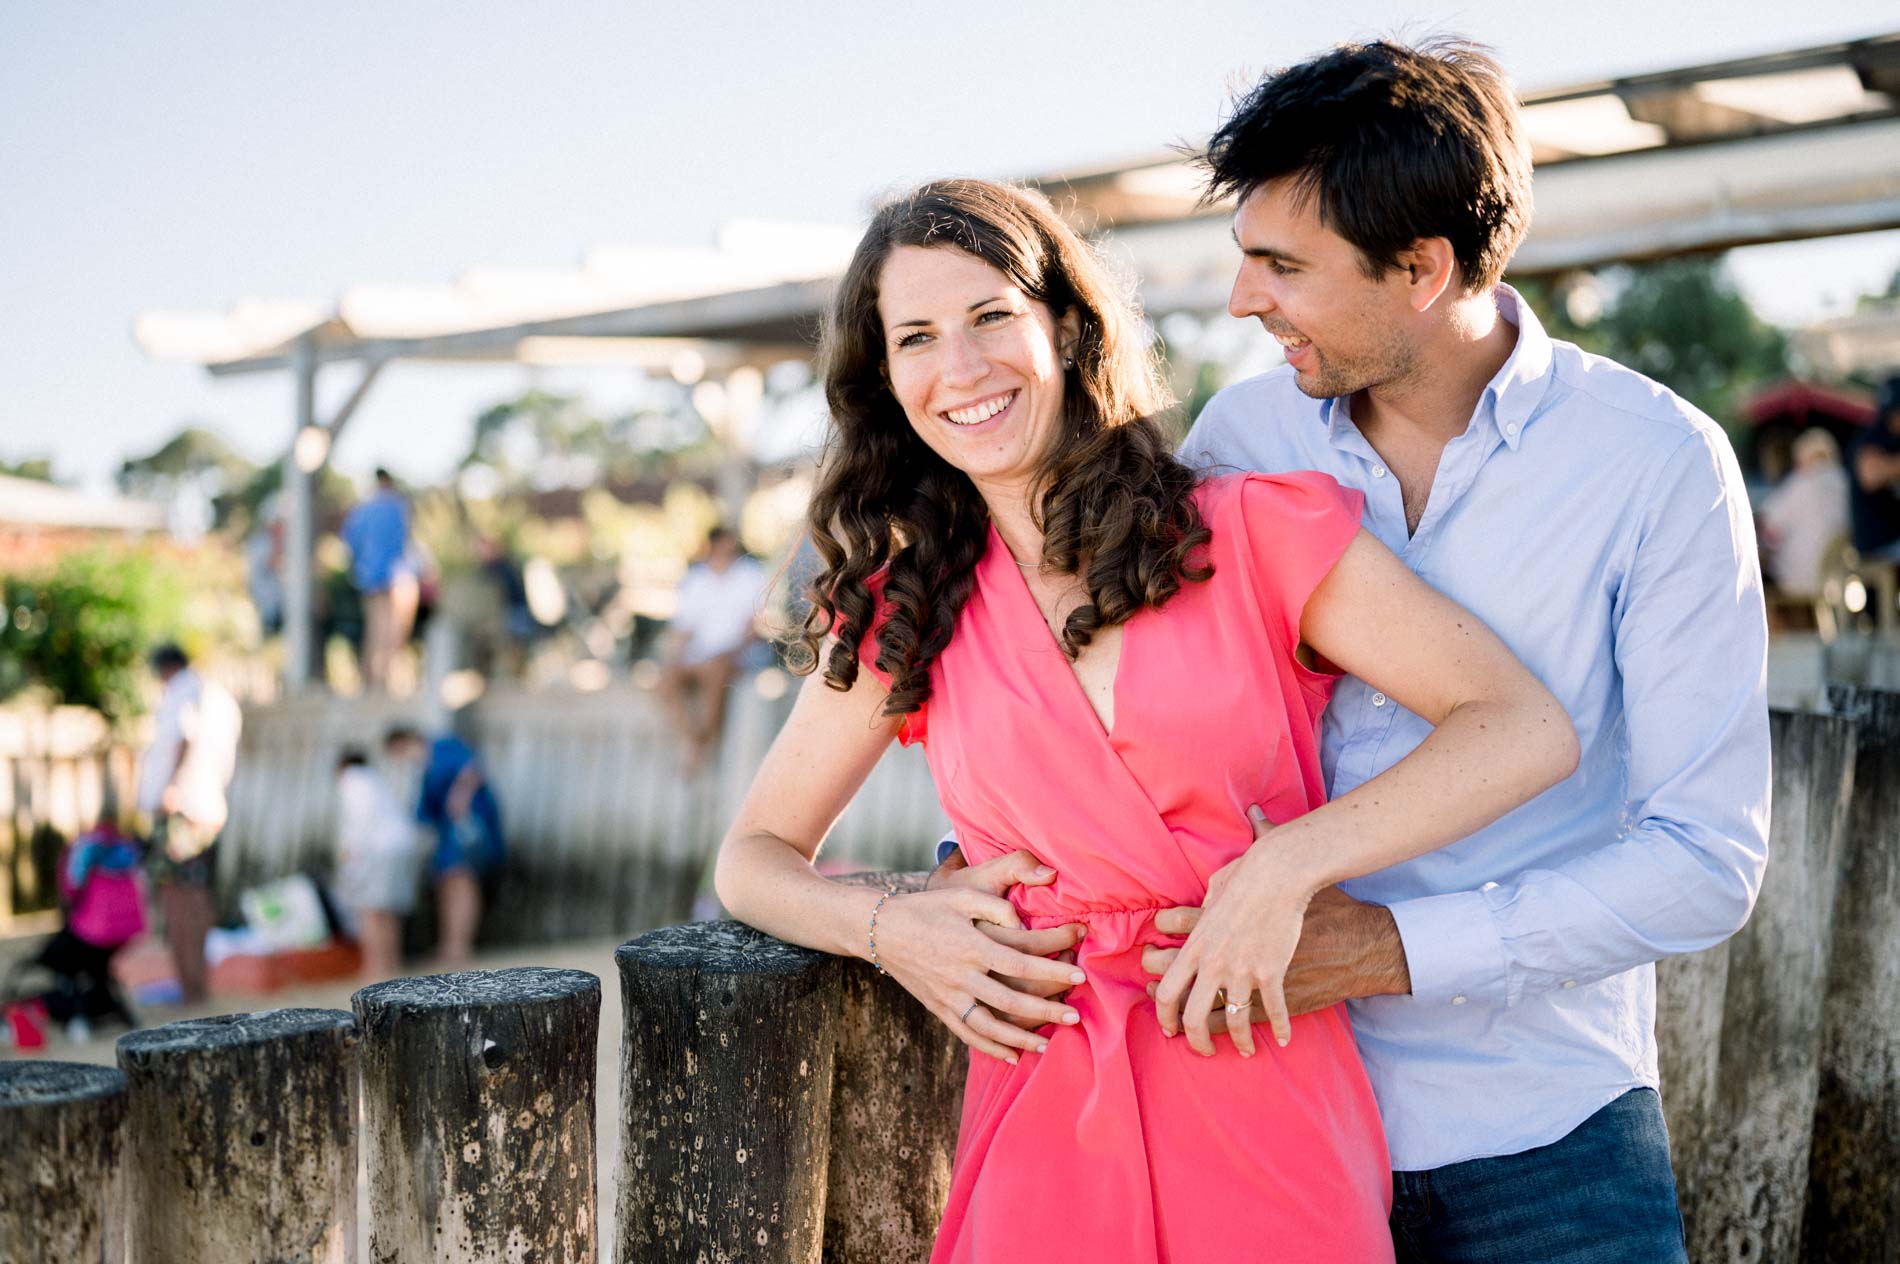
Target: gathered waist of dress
(1063, 912)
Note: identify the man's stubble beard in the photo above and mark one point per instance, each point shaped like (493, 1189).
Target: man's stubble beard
(1394, 362)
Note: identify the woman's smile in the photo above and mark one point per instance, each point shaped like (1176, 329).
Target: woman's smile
(978, 416)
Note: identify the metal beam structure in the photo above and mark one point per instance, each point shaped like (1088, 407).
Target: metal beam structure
(300, 526)
(1779, 147)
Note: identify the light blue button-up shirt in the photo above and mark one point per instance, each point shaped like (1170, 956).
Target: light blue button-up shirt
(1598, 524)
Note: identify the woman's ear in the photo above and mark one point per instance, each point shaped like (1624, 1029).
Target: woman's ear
(1068, 335)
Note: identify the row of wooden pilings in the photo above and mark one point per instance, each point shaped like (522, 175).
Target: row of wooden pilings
(781, 1105)
(773, 1100)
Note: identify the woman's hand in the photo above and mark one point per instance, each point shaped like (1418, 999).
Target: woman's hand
(931, 943)
(999, 876)
(1248, 930)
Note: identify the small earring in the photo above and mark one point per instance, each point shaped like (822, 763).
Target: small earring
(1068, 362)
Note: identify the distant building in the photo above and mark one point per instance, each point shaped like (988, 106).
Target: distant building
(39, 521)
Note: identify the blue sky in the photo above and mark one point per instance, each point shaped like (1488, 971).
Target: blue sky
(188, 155)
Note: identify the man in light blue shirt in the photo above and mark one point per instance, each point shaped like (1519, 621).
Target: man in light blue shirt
(1599, 525)
(1502, 989)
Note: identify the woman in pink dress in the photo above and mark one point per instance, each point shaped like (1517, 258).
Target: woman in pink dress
(1112, 667)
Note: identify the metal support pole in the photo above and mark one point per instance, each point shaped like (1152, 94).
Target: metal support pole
(300, 530)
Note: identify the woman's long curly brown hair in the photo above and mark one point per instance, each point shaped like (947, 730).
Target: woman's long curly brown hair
(1114, 505)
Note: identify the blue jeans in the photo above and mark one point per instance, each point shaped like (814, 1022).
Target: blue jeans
(1604, 1194)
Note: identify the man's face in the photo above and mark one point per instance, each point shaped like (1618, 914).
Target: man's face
(1341, 330)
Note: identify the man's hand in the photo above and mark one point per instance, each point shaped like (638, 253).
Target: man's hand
(1347, 949)
(996, 877)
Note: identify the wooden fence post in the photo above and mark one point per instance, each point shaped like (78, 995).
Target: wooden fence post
(1771, 1046)
(62, 1192)
(1854, 1198)
(478, 1096)
(242, 1141)
(896, 1098)
(1742, 1173)
(725, 1096)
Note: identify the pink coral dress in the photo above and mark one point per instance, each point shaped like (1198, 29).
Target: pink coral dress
(1119, 1144)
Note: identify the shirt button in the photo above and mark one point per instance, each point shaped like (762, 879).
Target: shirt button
(1378, 471)
(1378, 699)
(1510, 428)
(1457, 1000)
(1570, 983)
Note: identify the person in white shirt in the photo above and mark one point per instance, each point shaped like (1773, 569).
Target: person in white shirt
(182, 784)
(375, 863)
(718, 608)
(1804, 516)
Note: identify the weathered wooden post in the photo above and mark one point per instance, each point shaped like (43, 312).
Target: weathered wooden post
(896, 1097)
(1751, 1185)
(1691, 996)
(62, 1190)
(478, 1101)
(1854, 1176)
(242, 1138)
(725, 1096)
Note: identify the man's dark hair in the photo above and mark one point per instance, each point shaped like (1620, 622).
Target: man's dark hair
(384, 477)
(168, 657)
(720, 535)
(396, 733)
(351, 757)
(1393, 145)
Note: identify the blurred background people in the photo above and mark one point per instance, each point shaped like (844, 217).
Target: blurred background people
(1876, 494)
(264, 566)
(499, 625)
(456, 802)
(707, 639)
(182, 783)
(1805, 517)
(104, 910)
(377, 534)
(375, 882)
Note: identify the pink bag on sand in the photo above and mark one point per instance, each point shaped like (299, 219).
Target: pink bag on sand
(108, 906)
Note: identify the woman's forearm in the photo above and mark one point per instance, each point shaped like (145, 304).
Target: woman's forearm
(1483, 760)
(763, 881)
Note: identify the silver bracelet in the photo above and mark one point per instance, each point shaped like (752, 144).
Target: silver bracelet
(872, 934)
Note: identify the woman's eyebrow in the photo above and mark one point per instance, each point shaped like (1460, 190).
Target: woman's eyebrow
(982, 302)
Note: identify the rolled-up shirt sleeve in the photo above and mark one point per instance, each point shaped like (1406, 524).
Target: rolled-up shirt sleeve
(1683, 873)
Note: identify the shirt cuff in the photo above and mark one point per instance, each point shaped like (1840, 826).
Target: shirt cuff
(946, 847)
(1453, 950)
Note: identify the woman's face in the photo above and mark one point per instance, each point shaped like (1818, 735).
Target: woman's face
(975, 363)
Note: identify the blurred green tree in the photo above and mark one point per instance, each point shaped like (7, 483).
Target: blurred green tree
(541, 439)
(37, 468)
(80, 629)
(193, 458)
(1683, 323)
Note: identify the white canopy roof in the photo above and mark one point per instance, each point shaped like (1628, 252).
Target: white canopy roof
(1772, 148)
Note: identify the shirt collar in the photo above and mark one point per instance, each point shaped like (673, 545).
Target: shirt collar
(1512, 394)
(1518, 387)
